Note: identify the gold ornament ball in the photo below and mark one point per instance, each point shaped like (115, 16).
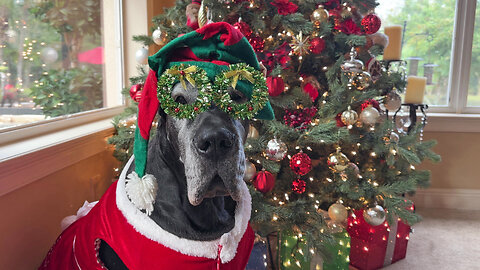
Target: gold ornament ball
(360, 81)
(252, 132)
(250, 171)
(349, 117)
(375, 215)
(320, 15)
(337, 212)
(337, 161)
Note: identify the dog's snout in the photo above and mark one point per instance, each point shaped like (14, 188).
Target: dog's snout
(214, 144)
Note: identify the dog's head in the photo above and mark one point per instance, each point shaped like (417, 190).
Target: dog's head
(210, 146)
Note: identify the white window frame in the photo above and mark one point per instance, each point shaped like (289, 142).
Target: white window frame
(461, 56)
(114, 82)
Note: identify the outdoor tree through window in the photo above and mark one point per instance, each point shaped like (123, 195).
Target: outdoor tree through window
(51, 59)
(428, 31)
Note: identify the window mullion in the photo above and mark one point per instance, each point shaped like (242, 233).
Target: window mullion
(465, 54)
(456, 56)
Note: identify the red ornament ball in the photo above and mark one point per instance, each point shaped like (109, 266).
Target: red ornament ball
(275, 85)
(257, 42)
(136, 92)
(301, 163)
(264, 181)
(371, 23)
(298, 186)
(244, 28)
(317, 45)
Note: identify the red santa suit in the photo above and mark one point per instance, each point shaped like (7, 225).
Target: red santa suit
(142, 244)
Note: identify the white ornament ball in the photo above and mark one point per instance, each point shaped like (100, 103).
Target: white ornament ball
(375, 215)
(250, 171)
(393, 101)
(157, 36)
(276, 150)
(337, 212)
(142, 56)
(369, 115)
(49, 55)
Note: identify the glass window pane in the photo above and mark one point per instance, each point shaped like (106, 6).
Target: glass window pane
(51, 59)
(427, 38)
(474, 84)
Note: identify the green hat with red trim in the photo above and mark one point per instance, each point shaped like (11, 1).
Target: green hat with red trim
(212, 58)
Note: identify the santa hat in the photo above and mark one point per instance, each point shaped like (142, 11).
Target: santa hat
(212, 48)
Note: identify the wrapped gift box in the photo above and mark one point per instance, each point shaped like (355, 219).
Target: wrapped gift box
(258, 257)
(339, 252)
(373, 247)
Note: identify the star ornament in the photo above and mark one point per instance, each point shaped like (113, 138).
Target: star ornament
(300, 45)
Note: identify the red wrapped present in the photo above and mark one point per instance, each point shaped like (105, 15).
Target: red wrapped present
(373, 247)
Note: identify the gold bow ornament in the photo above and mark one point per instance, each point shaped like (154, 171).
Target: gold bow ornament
(239, 74)
(184, 74)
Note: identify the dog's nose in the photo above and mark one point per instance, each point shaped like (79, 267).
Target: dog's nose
(214, 144)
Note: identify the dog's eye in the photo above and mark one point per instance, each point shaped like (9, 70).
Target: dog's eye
(181, 100)
(237, 96)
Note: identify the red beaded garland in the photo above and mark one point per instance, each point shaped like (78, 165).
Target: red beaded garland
(298, 186)
(301, 163)
(371, 23)
(264, 181)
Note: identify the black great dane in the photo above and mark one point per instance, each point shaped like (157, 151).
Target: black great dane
(181, 202)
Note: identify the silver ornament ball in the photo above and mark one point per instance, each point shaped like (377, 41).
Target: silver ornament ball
(157, 36)
(369, 115)
(393, 101)
(394, 137)
(337, 212)
(276, 150)
(142, 56)
(375, 215)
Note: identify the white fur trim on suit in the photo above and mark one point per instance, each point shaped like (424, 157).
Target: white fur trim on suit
(207, 249)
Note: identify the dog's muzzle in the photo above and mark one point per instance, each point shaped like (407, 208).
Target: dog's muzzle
(214, 143)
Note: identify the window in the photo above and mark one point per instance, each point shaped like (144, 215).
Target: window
(437, 44)
(56, 59)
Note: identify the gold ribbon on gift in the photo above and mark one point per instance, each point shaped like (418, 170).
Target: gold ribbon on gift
(238, 74)
(184, 74)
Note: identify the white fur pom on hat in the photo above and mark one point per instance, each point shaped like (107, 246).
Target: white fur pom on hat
(142, 191)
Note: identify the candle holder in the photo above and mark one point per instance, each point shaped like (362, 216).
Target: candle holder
(398, 66)
(413, 115)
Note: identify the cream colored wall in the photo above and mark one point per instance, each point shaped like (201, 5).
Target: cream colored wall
(460, 164)
(134, 23)
(31, 215)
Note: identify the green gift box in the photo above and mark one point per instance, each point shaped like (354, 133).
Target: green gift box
(292, 251)
(339, 252)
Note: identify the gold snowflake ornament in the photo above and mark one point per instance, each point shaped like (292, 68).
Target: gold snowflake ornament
(300, 44)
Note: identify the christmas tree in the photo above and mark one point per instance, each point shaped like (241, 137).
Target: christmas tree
(335, 146)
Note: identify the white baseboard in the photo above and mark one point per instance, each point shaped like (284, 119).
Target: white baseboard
(462, 199)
